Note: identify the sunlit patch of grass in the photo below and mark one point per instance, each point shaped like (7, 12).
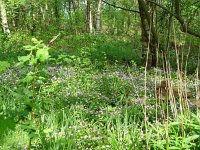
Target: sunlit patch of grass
(17, 139)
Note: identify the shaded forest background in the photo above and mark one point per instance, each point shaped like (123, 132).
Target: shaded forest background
(165, 28)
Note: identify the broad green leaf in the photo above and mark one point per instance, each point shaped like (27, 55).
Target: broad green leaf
(4, 65)
(41, 78)
(33, 61)
(29, 77)
(42, 54)
(24, 59)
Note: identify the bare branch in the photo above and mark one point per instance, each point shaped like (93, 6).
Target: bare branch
(53, 39)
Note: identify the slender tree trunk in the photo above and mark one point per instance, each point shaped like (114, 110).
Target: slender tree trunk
(98, 17)
(42, 10)
(56, 11)
(69, 7)
(70, 15)
(4, 17)
(89, 17)
(33, 24)
(76, 10)
(47, 15)
(74, 5)
(13, 18)
(128, 23)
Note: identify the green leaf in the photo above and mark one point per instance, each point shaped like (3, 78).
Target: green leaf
(29, 127)
(28, 47)
(175, 123)
(35, 41)
(33, 61)
(6, 124)
(174, 148)
(191, 138)
(41, 80)
(27, 92)
(4, 65)
(67, 60)
(47, 131)
(29, 77)
(24, 59)
(42, 54)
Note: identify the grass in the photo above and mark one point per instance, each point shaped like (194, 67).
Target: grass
(86, 102)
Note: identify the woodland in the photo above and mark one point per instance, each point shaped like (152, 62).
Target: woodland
(99, 74)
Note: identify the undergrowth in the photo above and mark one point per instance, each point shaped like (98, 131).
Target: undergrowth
(89, 101)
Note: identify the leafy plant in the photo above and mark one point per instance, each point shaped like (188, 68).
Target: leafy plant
(34, 78)
(6, 123)
(38, 54)
(4, 65)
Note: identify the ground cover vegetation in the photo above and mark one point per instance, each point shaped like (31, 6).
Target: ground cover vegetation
(99, 74)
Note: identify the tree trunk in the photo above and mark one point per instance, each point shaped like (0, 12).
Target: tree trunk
(56, 11)
(70, 15)
(98, 17)
(33, 24)
(42, 10)
(149, 34)
(4, 17)
(144, 37)
(89, 17)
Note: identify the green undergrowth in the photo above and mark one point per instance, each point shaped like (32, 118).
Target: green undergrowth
(89, 101)
(120, 49)
(82, 108)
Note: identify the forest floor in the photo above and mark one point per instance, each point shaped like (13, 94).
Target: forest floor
(87, 101)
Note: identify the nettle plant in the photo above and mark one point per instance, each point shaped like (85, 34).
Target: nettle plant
(38, 54)
(33, 72)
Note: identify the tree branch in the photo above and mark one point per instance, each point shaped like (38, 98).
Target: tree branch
(53, 39)
(184, 25)
(122, 8)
